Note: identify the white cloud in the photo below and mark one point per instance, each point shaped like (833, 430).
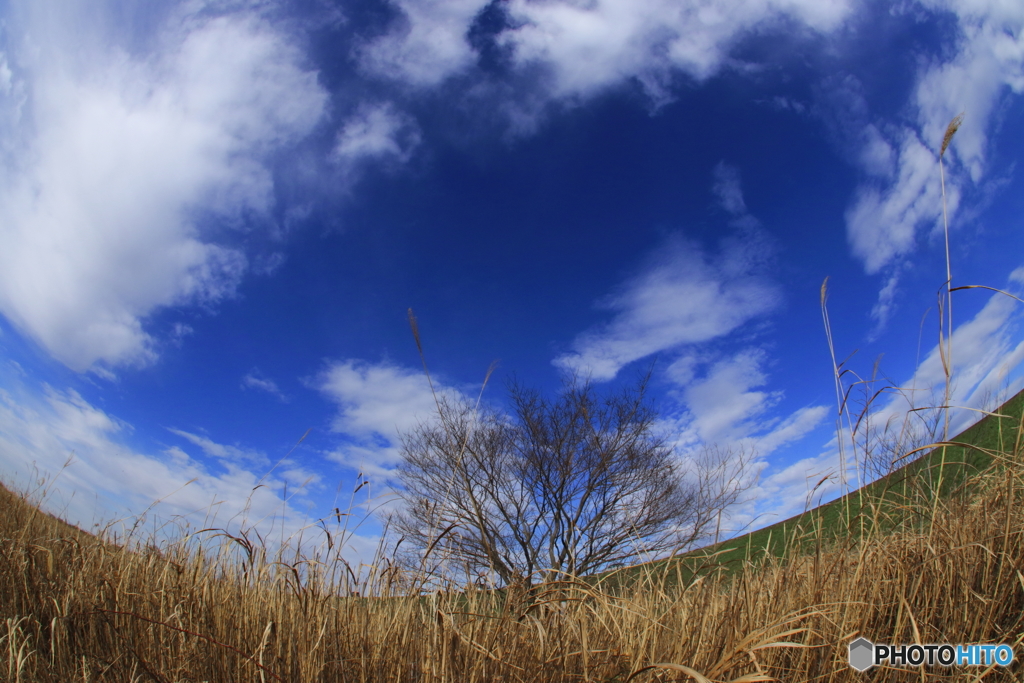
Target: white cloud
(793, 489)
(587, 46)
(428, 44)
(843, 108)
(884, 220)
(255, 380)
(377, 399)
(108, 481)
(877, 156)
(886, 303)
(684, 296)
(377, 132)
(590, 46)
(376, 404)
(793, 428)
(113, 158)
(984, 355)
(222, 451)
(5, 75)
(991, 59)
(780, 103)
(722, 404)
(729, 193)
(882, 224)
(727, 189)
(684, 299)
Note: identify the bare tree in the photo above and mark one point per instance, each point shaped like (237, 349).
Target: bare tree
(571, 486)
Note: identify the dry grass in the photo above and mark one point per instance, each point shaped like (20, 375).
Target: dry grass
(75, 608)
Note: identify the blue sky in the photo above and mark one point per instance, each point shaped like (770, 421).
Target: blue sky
(215, 215)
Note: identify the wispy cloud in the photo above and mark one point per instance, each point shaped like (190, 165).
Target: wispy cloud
(728, 190)
(584, 48)
(683, 296)
(232, 454)
(729, 193)
(427, 44)
(108, 480)
(985, 357)
(788, 491)
(725, 401)
(722, 401)
(255, 380)
(376, 132)
(587, 47)
(886, 303)
(683, 302)
(377, 403)
(113, 158)
(842, 107)
(883, 222)
(901, 201)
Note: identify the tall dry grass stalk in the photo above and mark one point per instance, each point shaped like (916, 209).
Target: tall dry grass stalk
(840, 394)
(946, 346)
(947, 352)
(77, 608)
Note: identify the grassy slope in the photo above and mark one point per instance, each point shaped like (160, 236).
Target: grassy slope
(21, 518)
(848, 517)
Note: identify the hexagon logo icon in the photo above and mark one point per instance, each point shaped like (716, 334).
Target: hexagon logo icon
(861, 654)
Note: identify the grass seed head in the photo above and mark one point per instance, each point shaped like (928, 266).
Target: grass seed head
(951, 130)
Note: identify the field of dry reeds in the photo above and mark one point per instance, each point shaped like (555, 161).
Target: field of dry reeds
(215, 607)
